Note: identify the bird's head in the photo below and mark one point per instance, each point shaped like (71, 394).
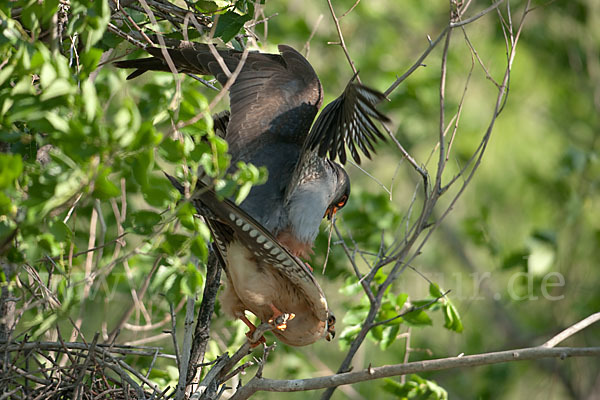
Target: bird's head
(330, 327)
(342, 190)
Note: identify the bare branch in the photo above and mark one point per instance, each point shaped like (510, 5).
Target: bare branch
(202, 330)
(573, 329)
(434, 43)
(113, 334)
(296, 385)
(186, 349)
(411, 309)
(342, 43)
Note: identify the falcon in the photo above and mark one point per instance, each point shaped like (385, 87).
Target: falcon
(263, 276)
(274, 101)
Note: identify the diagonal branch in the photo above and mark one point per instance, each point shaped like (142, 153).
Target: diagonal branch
(336, 21)
(573, 329)
(369, 374)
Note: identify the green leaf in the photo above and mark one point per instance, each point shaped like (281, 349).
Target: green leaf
(171, 150)
(7, 229)
(61, 232)
(173, 243)
(6, 206)
(97, 18)
(452, 318)
(542, 256)
(68, 185)
(142, 165)
(401, 299)
(415, 388)
(192, 281)
(159, 191)
(104, 189)
(389, 313)
(243, 192)
(434, 290)
(23, 86)
(185, 213)
(59, 87)
(90, 100)
(230, 24)
(356, 315)
(6, 73)
(417, 318)
(515, 259)
(206, 6)
(199, 248)
(389, 335)
(47, 74)
(89, 60)
(11, 167)
(351, 287)
(57, 122)
(30, 18)
(143, 222)
(348, 335)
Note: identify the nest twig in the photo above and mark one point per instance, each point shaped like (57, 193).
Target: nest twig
(32, 370)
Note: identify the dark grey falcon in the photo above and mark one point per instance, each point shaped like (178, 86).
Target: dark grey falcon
(274, 101)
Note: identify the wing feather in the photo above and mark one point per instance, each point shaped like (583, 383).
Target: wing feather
(348, 122)
(227, 221)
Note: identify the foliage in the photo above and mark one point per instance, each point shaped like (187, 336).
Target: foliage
(415, 388)
(81, 168)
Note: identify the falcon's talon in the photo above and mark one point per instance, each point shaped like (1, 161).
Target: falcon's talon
(251, 331)
(260, 340)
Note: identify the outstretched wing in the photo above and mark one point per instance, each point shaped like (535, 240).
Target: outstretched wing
(226, 220)
(274, 98)
(348, 120)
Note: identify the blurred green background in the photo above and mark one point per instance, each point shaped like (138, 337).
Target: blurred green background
(531, 215)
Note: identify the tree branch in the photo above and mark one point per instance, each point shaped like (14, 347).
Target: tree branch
(202, 331)
(573, 329)
(296, 385)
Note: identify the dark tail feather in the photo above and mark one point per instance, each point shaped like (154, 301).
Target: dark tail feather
(187, 57)
(220, 122)
(142, 65)
(175, 183)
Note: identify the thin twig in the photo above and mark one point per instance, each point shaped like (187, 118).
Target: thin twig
(137, 298)
(306, 48)
(410, 310)
(350, 9)
(342, 43)
(573, 329)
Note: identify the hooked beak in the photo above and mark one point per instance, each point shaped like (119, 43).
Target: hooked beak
(330, 212)
(330, 328)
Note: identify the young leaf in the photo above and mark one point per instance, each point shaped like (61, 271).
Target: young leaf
(230, 24)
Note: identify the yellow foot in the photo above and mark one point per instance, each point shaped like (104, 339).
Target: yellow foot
(250, 333)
